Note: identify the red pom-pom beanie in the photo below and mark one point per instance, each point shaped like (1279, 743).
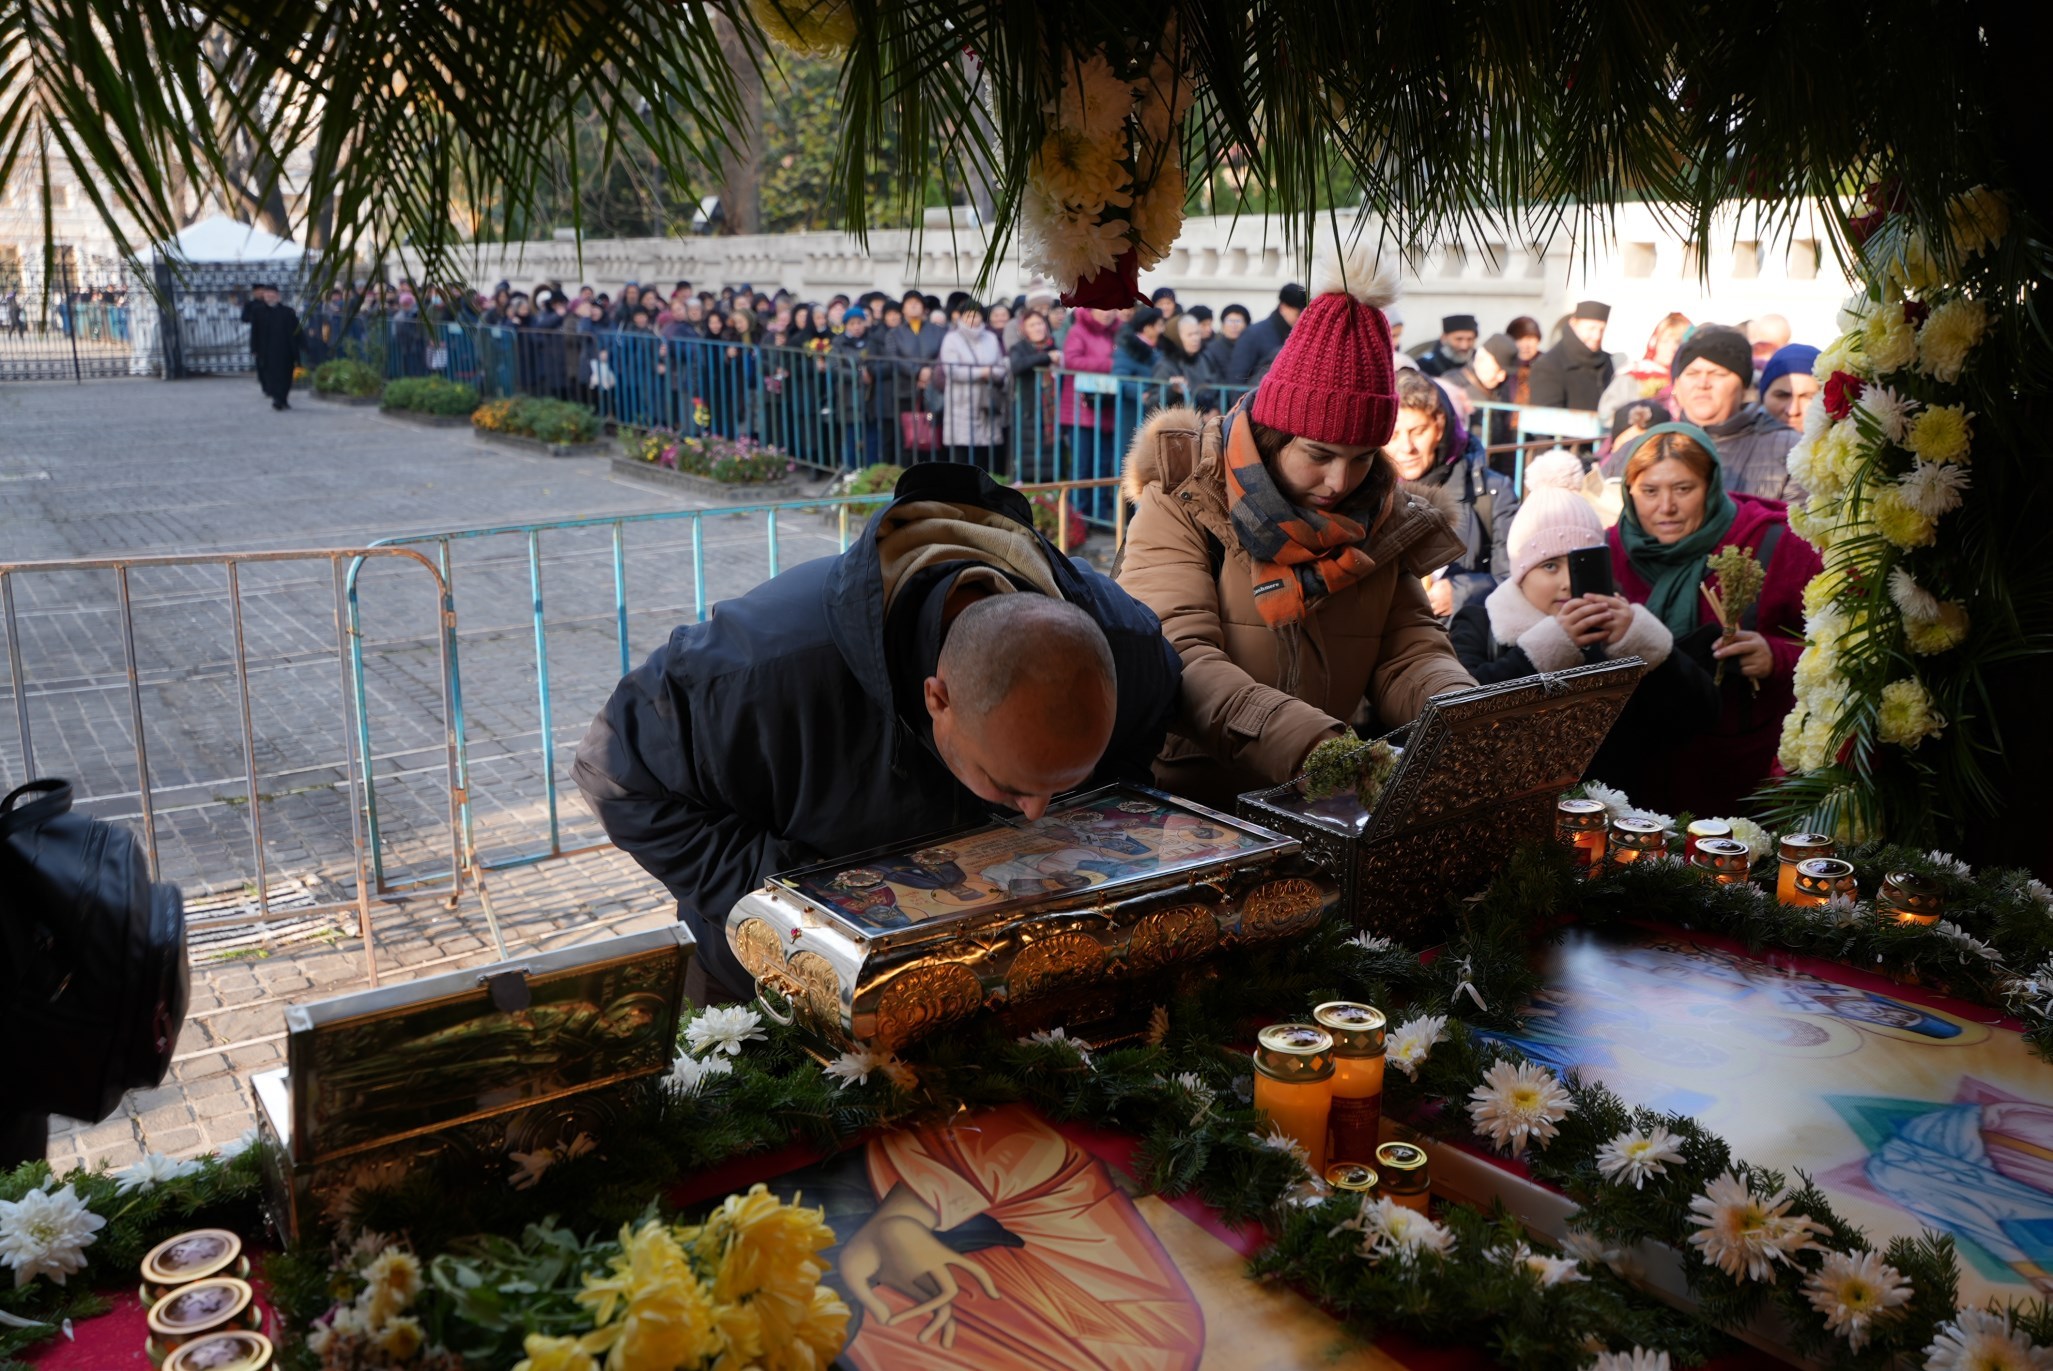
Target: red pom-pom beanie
(1335, 380)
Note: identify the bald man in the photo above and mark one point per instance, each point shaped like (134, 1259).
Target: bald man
(949, 664)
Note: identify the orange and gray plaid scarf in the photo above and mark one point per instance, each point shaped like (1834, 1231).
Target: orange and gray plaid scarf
(1301, 555)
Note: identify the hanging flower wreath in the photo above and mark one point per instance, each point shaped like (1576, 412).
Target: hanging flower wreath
(1105, 193)
(1887, 458)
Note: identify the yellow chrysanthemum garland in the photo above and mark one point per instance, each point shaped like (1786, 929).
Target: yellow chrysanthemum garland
(1885, 456)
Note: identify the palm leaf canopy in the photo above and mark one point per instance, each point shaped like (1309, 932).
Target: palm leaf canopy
(431, 123)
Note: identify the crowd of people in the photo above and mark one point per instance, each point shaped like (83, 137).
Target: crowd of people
(1317, 554)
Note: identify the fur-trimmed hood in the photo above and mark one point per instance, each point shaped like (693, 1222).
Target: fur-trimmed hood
(1178, 449)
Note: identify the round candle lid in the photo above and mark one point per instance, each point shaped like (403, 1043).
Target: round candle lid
(191, 1256)
(1357, 1029)
(1637, 832)
(199, 1307)
(237, 1351)
(1824, 869)
(1350, 1176)
(1294, 1052)
(1797, 847)
(1907, 890)
(1583, 813)
(1709, 828)
(1401, 1162)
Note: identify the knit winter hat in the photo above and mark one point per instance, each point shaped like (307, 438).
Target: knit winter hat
(1334, 380)
(1557, 467)
(1551, 522)
(1718, 345)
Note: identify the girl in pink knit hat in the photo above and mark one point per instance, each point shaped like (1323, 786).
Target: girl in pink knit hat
(1531, 623)
(1284, 556)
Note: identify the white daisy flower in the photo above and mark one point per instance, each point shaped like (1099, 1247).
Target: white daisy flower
(1950, 862)
(1056, 1037)
(723, 1028)
(1639, 1359)
(1369, 942)
(1853, 1292)
(688, 1074)
(1202, 1096)
(1968, 943)
(46, 1233)
(149, 1173)
(1744, 1234)
(1635, 1156)
(1611, 799)
(1983, 1340)
(1888, 410)
(2039, 891)
(248, 1138)
(1411, 1042)
(1913, 601)
(1549, 1271)
(1284, 1143)
(1391, 1230)
(856, 1067)
(1515, 1103)
(1934, 488)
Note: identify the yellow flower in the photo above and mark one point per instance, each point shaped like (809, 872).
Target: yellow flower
(1940, 434)
(1978, 220)
(1930, 636)
(820, 1334)
(397, 1270)
(1822, 590)
(401, 1339)
(740, 1327)
(812, 28)
(555, 1354)
(1081, 171)
(1906, 716)
(1948, 336)
(664, 1320)
(1888, 340)
(1844, 355)
(1898, 521)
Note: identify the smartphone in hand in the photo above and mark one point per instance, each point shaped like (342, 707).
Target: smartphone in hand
(1589, 572)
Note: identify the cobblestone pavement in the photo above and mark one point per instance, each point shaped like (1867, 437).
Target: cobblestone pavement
(120, 468)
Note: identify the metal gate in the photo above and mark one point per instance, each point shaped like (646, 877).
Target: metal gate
(67, 326)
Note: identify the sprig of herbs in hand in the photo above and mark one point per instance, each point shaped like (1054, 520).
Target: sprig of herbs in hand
(1738, 590)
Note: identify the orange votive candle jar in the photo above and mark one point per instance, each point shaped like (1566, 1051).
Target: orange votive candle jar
(1796, 848)
(1908, 898)
(1699, 830)
(1404, 1176)
(1723, 861)
(1633, 840)
(1357, 1117)
(1294, 1084)
(1579, 825)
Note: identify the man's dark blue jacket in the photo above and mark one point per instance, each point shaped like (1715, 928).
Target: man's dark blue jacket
(767, 737)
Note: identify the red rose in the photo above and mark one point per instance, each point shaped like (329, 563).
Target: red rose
(1841, 390)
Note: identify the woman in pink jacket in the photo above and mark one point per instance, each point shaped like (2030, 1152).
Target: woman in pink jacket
(1087, 414)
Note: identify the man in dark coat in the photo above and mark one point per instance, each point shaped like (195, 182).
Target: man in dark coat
(1258, 347)
(1454, 349)
(1573, 373)
(273, 342)
(950, 664)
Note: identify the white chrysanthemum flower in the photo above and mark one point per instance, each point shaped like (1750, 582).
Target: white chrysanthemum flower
(152, 1171)
(1948, 336)
(1093, 100)
(1816, 420)
(1843, 354)
(1913, 601)
(1158, 215)
(1613, 800)
(1888, 410)
(1590, 1250)
(1635, 1156)
(244, 1141)
(1855, 311)
(857, 1067)
(1666, 821)
(1759, 842)
(1968, 944)
(1744, 1234)
(1950, 862)
(1057, 1037)
(46, 1233)
(1978, 220)
(1289, 1146)
(1983, 1340)
(1549, 1271)
(1202, 1096)
(1370, 942)
(689, 1074)
(1518, 1102)
(723, 1029)
(1639, 1359)
(1391, 1230)
(1853, 1292)
(1411, 1042)
(1888, 339)
(2041, 893)
(1082, 173)
(1934, 488)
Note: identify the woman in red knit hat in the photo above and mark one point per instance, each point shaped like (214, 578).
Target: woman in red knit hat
(1284, 557)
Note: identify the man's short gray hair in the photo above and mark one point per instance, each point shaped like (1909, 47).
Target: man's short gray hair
(1003, 642)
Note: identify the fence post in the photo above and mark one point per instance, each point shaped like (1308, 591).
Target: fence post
(170, 341)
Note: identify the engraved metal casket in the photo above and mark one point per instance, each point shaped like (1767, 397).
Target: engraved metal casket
(1480, 773)
(1044, 922)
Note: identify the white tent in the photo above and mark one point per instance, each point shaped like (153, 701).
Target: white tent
(210, 264)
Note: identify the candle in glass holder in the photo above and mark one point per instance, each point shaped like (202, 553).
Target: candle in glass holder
(1723, 861)
(1699, 830)
(1405, 1177)
(1823, 879)
(1345, 1178)
(1908, 898)
(1294, 1084)
(1357, 1116)
(1580, 826)
(1793, 849)
(1633, 840)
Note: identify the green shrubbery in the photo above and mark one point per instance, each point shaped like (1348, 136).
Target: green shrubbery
(731, 461)
(526, 416)
(347, 376)
(430, 395)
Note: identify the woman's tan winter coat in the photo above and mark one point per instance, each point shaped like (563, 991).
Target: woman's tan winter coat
(1256, 699)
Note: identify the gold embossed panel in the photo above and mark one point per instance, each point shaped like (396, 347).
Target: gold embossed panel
(822, 988)
(1058, 959)
(1182, 933)
(920, 999)
(1275, 908)
(755, 947)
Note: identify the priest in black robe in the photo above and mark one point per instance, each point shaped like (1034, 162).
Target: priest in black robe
(273, 342)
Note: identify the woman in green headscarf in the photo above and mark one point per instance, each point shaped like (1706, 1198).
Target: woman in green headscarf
(1677, 514)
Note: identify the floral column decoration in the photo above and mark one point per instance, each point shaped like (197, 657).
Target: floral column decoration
(1887, 459)
(1105, 193)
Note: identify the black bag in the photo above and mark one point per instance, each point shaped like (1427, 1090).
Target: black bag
(93, 973)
